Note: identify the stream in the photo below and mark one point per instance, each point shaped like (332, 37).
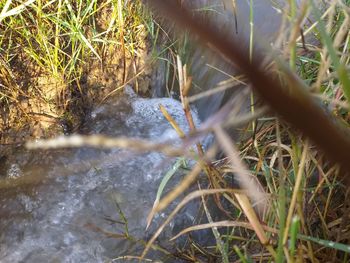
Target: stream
(77, 209)
(85, 193)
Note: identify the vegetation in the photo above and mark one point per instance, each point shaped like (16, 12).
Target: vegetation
(58, 56)
(306, 218)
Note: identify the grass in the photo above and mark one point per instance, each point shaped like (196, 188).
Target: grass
(306, 216)
(48, 48)
(60, 35)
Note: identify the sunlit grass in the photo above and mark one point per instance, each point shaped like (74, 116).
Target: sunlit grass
(48, 50)
(60, 35)
(60, 39)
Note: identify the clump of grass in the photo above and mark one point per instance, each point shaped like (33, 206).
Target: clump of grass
(60, 36)
(47, 49)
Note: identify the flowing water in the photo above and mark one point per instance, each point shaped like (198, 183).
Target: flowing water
(72, 216)
(74, 212)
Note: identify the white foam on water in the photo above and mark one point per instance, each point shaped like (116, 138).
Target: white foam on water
(63, 218)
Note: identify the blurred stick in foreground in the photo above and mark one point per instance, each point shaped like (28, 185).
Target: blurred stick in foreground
(290, 100)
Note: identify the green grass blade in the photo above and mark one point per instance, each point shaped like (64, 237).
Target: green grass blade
(294, 229)
(242, 258)
(4, 9)
(167, 177)
(326, 243)
(88, 44)
(327, 41)
(14, 11)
